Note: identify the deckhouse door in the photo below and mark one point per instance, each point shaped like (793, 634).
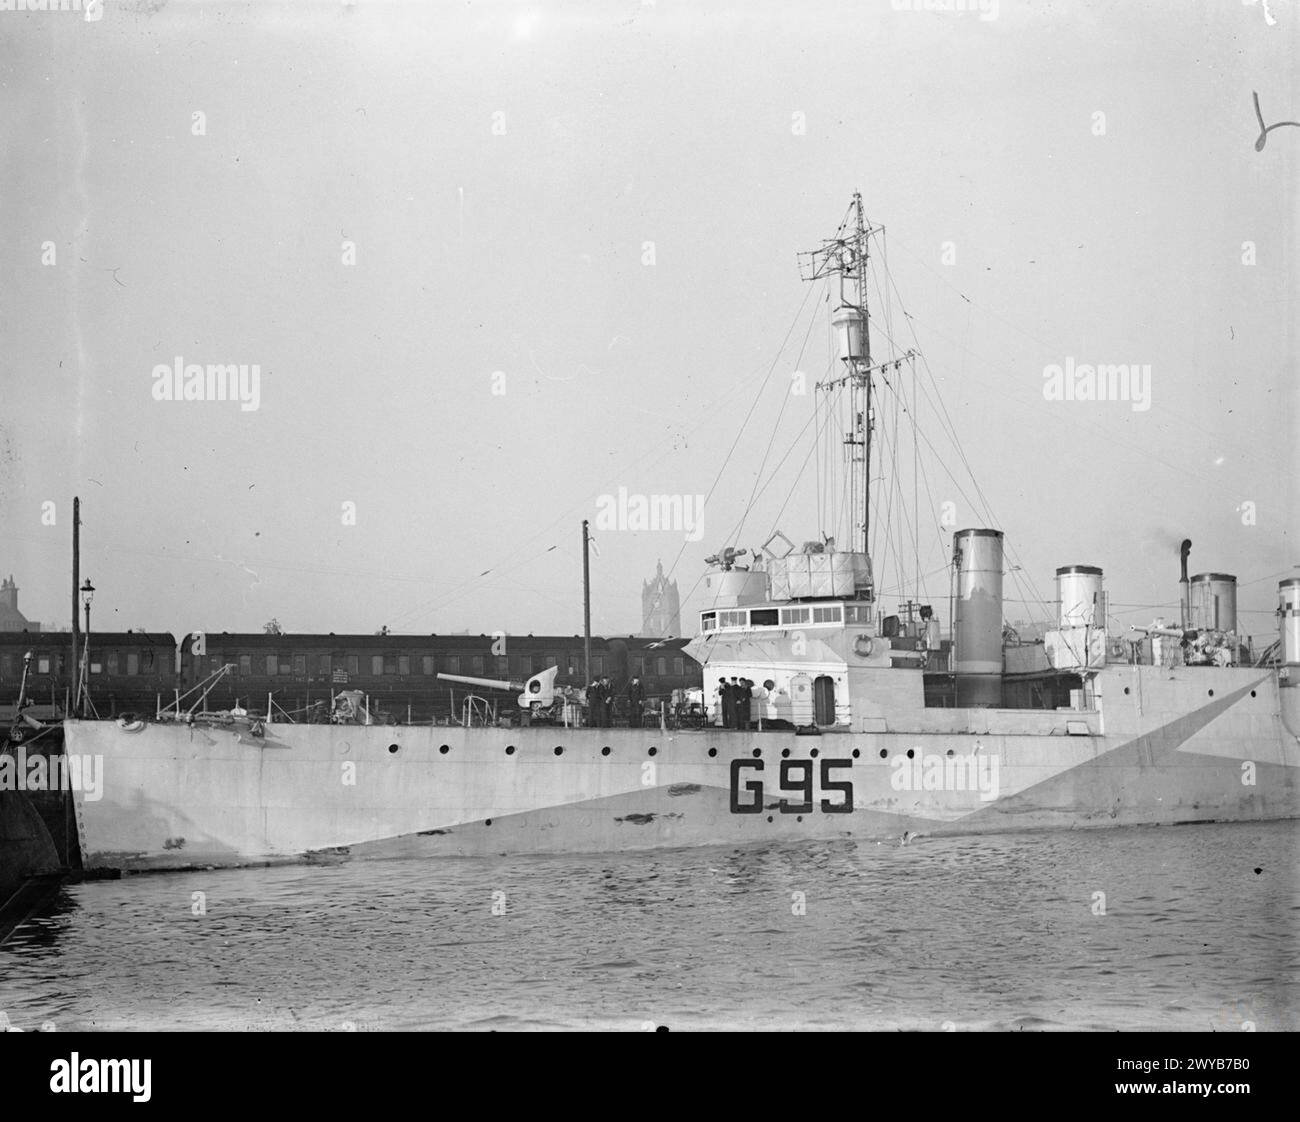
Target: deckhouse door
(824, 700)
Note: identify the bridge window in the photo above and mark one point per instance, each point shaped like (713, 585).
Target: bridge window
(708, 621)
(827, 615)
(733, 619)
(794, 615)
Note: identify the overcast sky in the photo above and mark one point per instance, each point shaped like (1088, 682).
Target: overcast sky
(501, 346)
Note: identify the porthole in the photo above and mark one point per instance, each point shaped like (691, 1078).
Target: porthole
(559, 750)
(785, 752)
(652, 751)
(814, 753)
(510, 749)
(605, 751)
(394, 749)
(757, 752)
(883, 753)
(443, 748)
(911, 754)
(856, 753)
(713, 751)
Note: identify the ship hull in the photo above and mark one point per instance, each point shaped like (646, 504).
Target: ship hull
(1165, 747)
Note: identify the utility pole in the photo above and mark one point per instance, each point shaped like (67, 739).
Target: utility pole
(76, 598)
(586, 608)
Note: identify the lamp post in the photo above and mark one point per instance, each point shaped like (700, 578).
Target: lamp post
(87, 594)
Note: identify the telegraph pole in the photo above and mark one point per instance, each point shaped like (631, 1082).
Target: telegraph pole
(76, 601)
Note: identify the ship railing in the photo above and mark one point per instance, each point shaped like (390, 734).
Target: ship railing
(173, 711)
(1268, 656)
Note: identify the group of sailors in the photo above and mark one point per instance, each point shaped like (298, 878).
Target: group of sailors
(600, 703)
(736, 697)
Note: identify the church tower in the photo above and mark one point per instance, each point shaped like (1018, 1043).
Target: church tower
(661, 612)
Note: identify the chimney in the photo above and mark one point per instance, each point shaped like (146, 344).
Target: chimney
(1184, 597)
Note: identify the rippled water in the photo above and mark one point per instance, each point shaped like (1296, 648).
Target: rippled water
(1201, 930)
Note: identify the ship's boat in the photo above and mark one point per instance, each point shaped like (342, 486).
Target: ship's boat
(824, 713)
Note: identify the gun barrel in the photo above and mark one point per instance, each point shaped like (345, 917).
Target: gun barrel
(489, 683)
(1166, 632)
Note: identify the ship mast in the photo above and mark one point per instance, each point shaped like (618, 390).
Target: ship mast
(845, 257)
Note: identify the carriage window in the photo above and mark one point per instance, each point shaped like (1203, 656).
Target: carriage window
(272, 665)
(679, 666)
(376, 665)
(597, 665)
(132, 662)
(516, 664)
(216, 662)
(354, 664)
(390, 664)
(453, 664)
(404, 665)
(43, 664)
(95, 668)
(300, 666)
(246, 665)
(426, 664)
(661, 666)
(324, 667)
(112, 662)
(148, 661)
(476, 664)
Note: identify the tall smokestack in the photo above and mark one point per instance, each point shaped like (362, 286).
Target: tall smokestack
(1184, 595)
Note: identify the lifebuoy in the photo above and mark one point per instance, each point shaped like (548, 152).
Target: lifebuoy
(863, 646)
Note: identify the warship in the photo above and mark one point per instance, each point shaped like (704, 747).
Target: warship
(857, 722)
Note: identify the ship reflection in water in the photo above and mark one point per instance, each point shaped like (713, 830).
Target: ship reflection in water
(1199, 931)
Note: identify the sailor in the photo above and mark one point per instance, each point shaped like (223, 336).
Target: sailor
(607, 693)
(635, 702)
(735, 703)
(724, 703)
(595, 704)
(743, 694)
